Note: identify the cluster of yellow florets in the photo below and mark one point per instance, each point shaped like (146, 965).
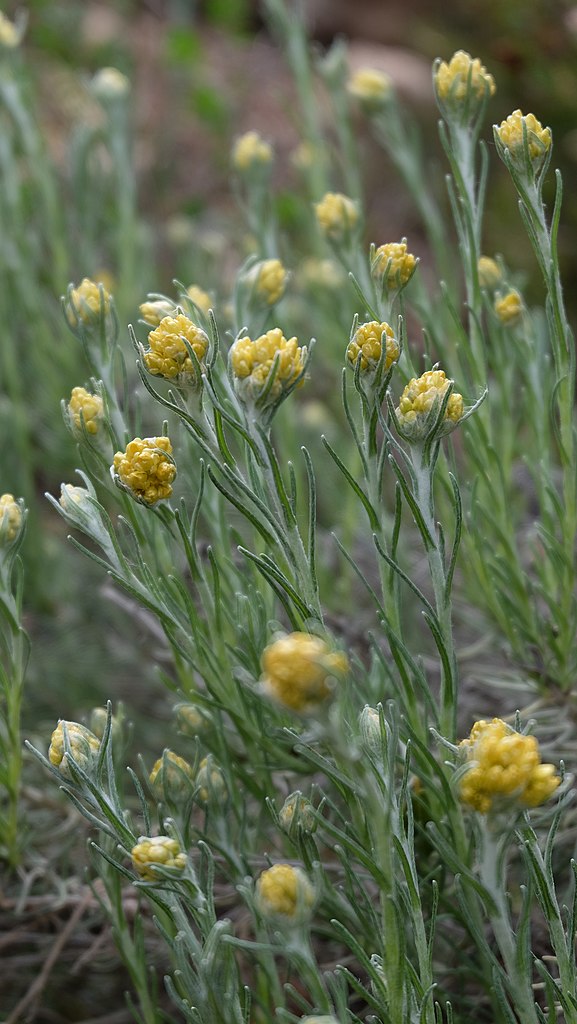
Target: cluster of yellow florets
(421, 394)
(157, 851)
(87, 302)
(84, 746)
(509, 308)
(300, 671)
(85, 408)
(10, 518)
(284, 892)
(505, 767)
(370, 87)
(251, 150)
(463, 75)
(511, 131)
(336, 215)
(270, 279)
(167, 355)
(252, 362)
(367, 342)
(146, 469)
(393, 263)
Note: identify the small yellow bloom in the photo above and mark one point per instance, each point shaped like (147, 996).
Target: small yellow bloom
(284, 892)
(200, 298)
(463, 75)
(489, 273)
(510, 134)
(171, 776)
(9, 35)
(10, 519)
(167, 355)
(210, 781)
(509, 308)
(87, 303)
(371, 87)
(269, 279)
(83, 745)
(420, 397)
(300, 671)
(336, 215)
(505, 768)
(156, 851)
(252, 363)
(367, 342)
(85, 408)
(146, 469)
(250, 151)
(393, 264)
(155, 311)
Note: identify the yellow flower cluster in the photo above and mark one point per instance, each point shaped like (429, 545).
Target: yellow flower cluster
(145, 468)
(157, 851)
(171, 775)
(300, 671)
(489, 272)
(155, 311)
(251, 150)
(393, 262)
(10, 518)
(367, 342)
(83, 744)
(510, 134)
(85, 305)
(200, 298)
(505, 767)
(421, 394)
(509, 308)
(252, 362)
(462, 74)
(270, 281)
(370, 87)
(284, 891)
(167, 355)
(86, 408)
(336, 215)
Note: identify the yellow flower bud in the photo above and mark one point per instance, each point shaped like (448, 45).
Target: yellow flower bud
(87, 303)
(110, 84)
(146, 469)
(297, 812)
(190, 720)
(285, 895)
(84, 747)
(210, 783)
(156, 851)
(509, 308)
(155, 311)
(337, 215)
(367, 342)
(489, 273)
(393, 265)
(268, 279)
(200, 298)
(10, 519)
(463, 77)
(371, 87)
(511, 132)
(85, 409)
(370, 729)
(99, 721)
(10, 35)
(420, 400)
(505, 769)
(300, 671)
(252, 364)
(251, 151)
(167, 355)
(171, 777)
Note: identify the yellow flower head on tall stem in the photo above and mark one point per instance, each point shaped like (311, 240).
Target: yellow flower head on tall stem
(300, 671)
(85, 408)
(284, 894)
(146, 469)
(461, 77)
(512, 132)
(367, 341)
(167, 354)
(393, 265)
(505, 769)
(337, 215)
(252, 363)
(83, 745)
(87, 302)
(421, 397)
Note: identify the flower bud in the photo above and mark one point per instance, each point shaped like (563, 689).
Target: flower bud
(509, 308)
(371, 88)
(157, 851)
(392, 266)
(267, 281)
(251, 152)
(109, 84)
(11, 519)
(155, 310)
(87, 304)
(370, 730)
(462, 85)
(76, 739)
(298, 812)
(521, 134)
(99, 721)
(419, 406)
(489, 273)
(190, 720)
(10, 33)
(367, 343)
(300, 671)
(171, 778)
(200, 298)
(337, 216)
(285, 895)
(85, 412)
(253, 364)
(168, 356)
(210, 783)
(146, 469)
